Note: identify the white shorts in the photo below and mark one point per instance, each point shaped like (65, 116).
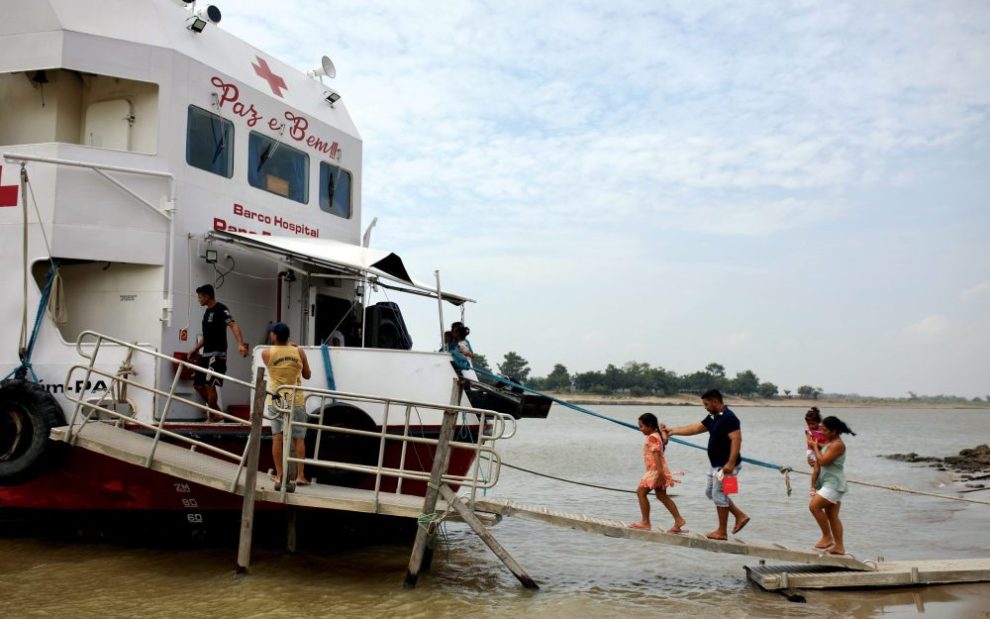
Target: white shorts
(830, 494)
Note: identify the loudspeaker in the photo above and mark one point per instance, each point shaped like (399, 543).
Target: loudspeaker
(384, 327)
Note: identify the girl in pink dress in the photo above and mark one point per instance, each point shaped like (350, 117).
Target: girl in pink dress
(657, 477)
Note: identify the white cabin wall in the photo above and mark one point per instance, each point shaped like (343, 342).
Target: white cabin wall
(67, 89)
(23, 119)
(117, 299)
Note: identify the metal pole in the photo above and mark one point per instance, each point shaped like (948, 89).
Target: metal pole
(251, 475)
(436, 274)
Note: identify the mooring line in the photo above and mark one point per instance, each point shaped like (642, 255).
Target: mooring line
(908, 490)
(567, 481)
(783, 469)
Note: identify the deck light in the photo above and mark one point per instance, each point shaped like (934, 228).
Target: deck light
(331, 96)
(196, 24)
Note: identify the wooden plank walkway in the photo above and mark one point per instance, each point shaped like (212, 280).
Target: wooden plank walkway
(913, 573)
(209, 470)
(615, 528)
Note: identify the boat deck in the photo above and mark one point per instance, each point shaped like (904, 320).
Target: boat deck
(209, 470)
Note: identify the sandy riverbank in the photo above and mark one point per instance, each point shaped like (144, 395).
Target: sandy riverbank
(687, 399)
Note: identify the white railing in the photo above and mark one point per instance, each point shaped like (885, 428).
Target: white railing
(486, 462)
(484, 471)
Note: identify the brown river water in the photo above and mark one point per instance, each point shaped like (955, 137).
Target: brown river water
(581, 575)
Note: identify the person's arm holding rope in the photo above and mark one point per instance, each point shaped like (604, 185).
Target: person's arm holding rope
(691, 430)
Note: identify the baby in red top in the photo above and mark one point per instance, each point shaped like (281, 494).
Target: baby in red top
(813, 419)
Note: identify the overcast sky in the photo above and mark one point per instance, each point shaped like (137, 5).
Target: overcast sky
(795, 188)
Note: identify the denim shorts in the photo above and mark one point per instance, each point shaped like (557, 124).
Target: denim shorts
(713, 487)
(298, 414)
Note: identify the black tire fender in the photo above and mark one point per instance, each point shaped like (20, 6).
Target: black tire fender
(343, 447)
(27, 415)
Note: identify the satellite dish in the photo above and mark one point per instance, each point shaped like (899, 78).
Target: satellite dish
(328, 69)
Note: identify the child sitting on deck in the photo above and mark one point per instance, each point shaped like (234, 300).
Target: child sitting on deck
(813, 419)
(657, 477)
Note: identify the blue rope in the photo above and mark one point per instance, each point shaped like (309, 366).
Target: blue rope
(22, 370)
(769, 465)
(328, 368)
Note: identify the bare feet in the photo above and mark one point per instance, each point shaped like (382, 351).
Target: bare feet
(678, 526)
(643, 526)
(837, 550)
(824, 543)
(717, 535)
(302, 482)
(740, 524)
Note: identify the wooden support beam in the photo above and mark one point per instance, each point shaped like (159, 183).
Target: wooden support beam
(440, 458)
(251, 474)
(467, 514)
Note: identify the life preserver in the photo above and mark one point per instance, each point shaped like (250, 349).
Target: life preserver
(27, 415)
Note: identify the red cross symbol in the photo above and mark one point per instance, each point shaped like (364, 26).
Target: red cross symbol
(8, 193)
(275, 82)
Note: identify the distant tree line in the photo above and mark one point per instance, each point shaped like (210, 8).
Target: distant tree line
(641, 379)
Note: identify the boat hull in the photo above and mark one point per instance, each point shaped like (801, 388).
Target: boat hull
(75, 479)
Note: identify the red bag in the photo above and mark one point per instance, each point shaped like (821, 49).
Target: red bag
(730, 485)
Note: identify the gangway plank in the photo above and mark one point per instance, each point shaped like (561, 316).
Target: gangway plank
(213, 472)
(910, 573)
(615, 528)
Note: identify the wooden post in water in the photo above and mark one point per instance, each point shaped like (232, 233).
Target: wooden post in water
(467, 514)
(251, 474)
(440, 458)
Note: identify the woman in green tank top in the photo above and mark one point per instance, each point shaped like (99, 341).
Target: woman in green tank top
(830, 460)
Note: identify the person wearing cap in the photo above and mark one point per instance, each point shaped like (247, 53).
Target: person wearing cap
(286, 364)
(216, 320)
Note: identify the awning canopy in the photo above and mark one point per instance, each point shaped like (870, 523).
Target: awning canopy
(337, 255)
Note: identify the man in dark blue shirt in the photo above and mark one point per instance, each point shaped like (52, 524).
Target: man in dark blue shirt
(724, 442)
(216, 321)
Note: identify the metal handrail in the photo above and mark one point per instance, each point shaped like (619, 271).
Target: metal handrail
(492, 426)
(500, 425)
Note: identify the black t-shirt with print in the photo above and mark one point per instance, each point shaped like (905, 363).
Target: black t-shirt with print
(215, 321)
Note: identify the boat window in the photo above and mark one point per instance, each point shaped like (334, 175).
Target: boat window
(209, 142)
(278, 168)
(335, 190)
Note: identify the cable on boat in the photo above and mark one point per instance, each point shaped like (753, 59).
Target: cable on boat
(908, 490)
(55, 303)
(783, 469)
(777, 467)
(567, 481)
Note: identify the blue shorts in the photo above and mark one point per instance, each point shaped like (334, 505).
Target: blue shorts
(713, 487)
(298, 414)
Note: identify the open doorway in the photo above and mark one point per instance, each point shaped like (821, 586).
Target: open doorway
(335, 314)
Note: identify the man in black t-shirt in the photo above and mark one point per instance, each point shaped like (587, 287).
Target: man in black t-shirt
(216, 321)
(724, 442)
